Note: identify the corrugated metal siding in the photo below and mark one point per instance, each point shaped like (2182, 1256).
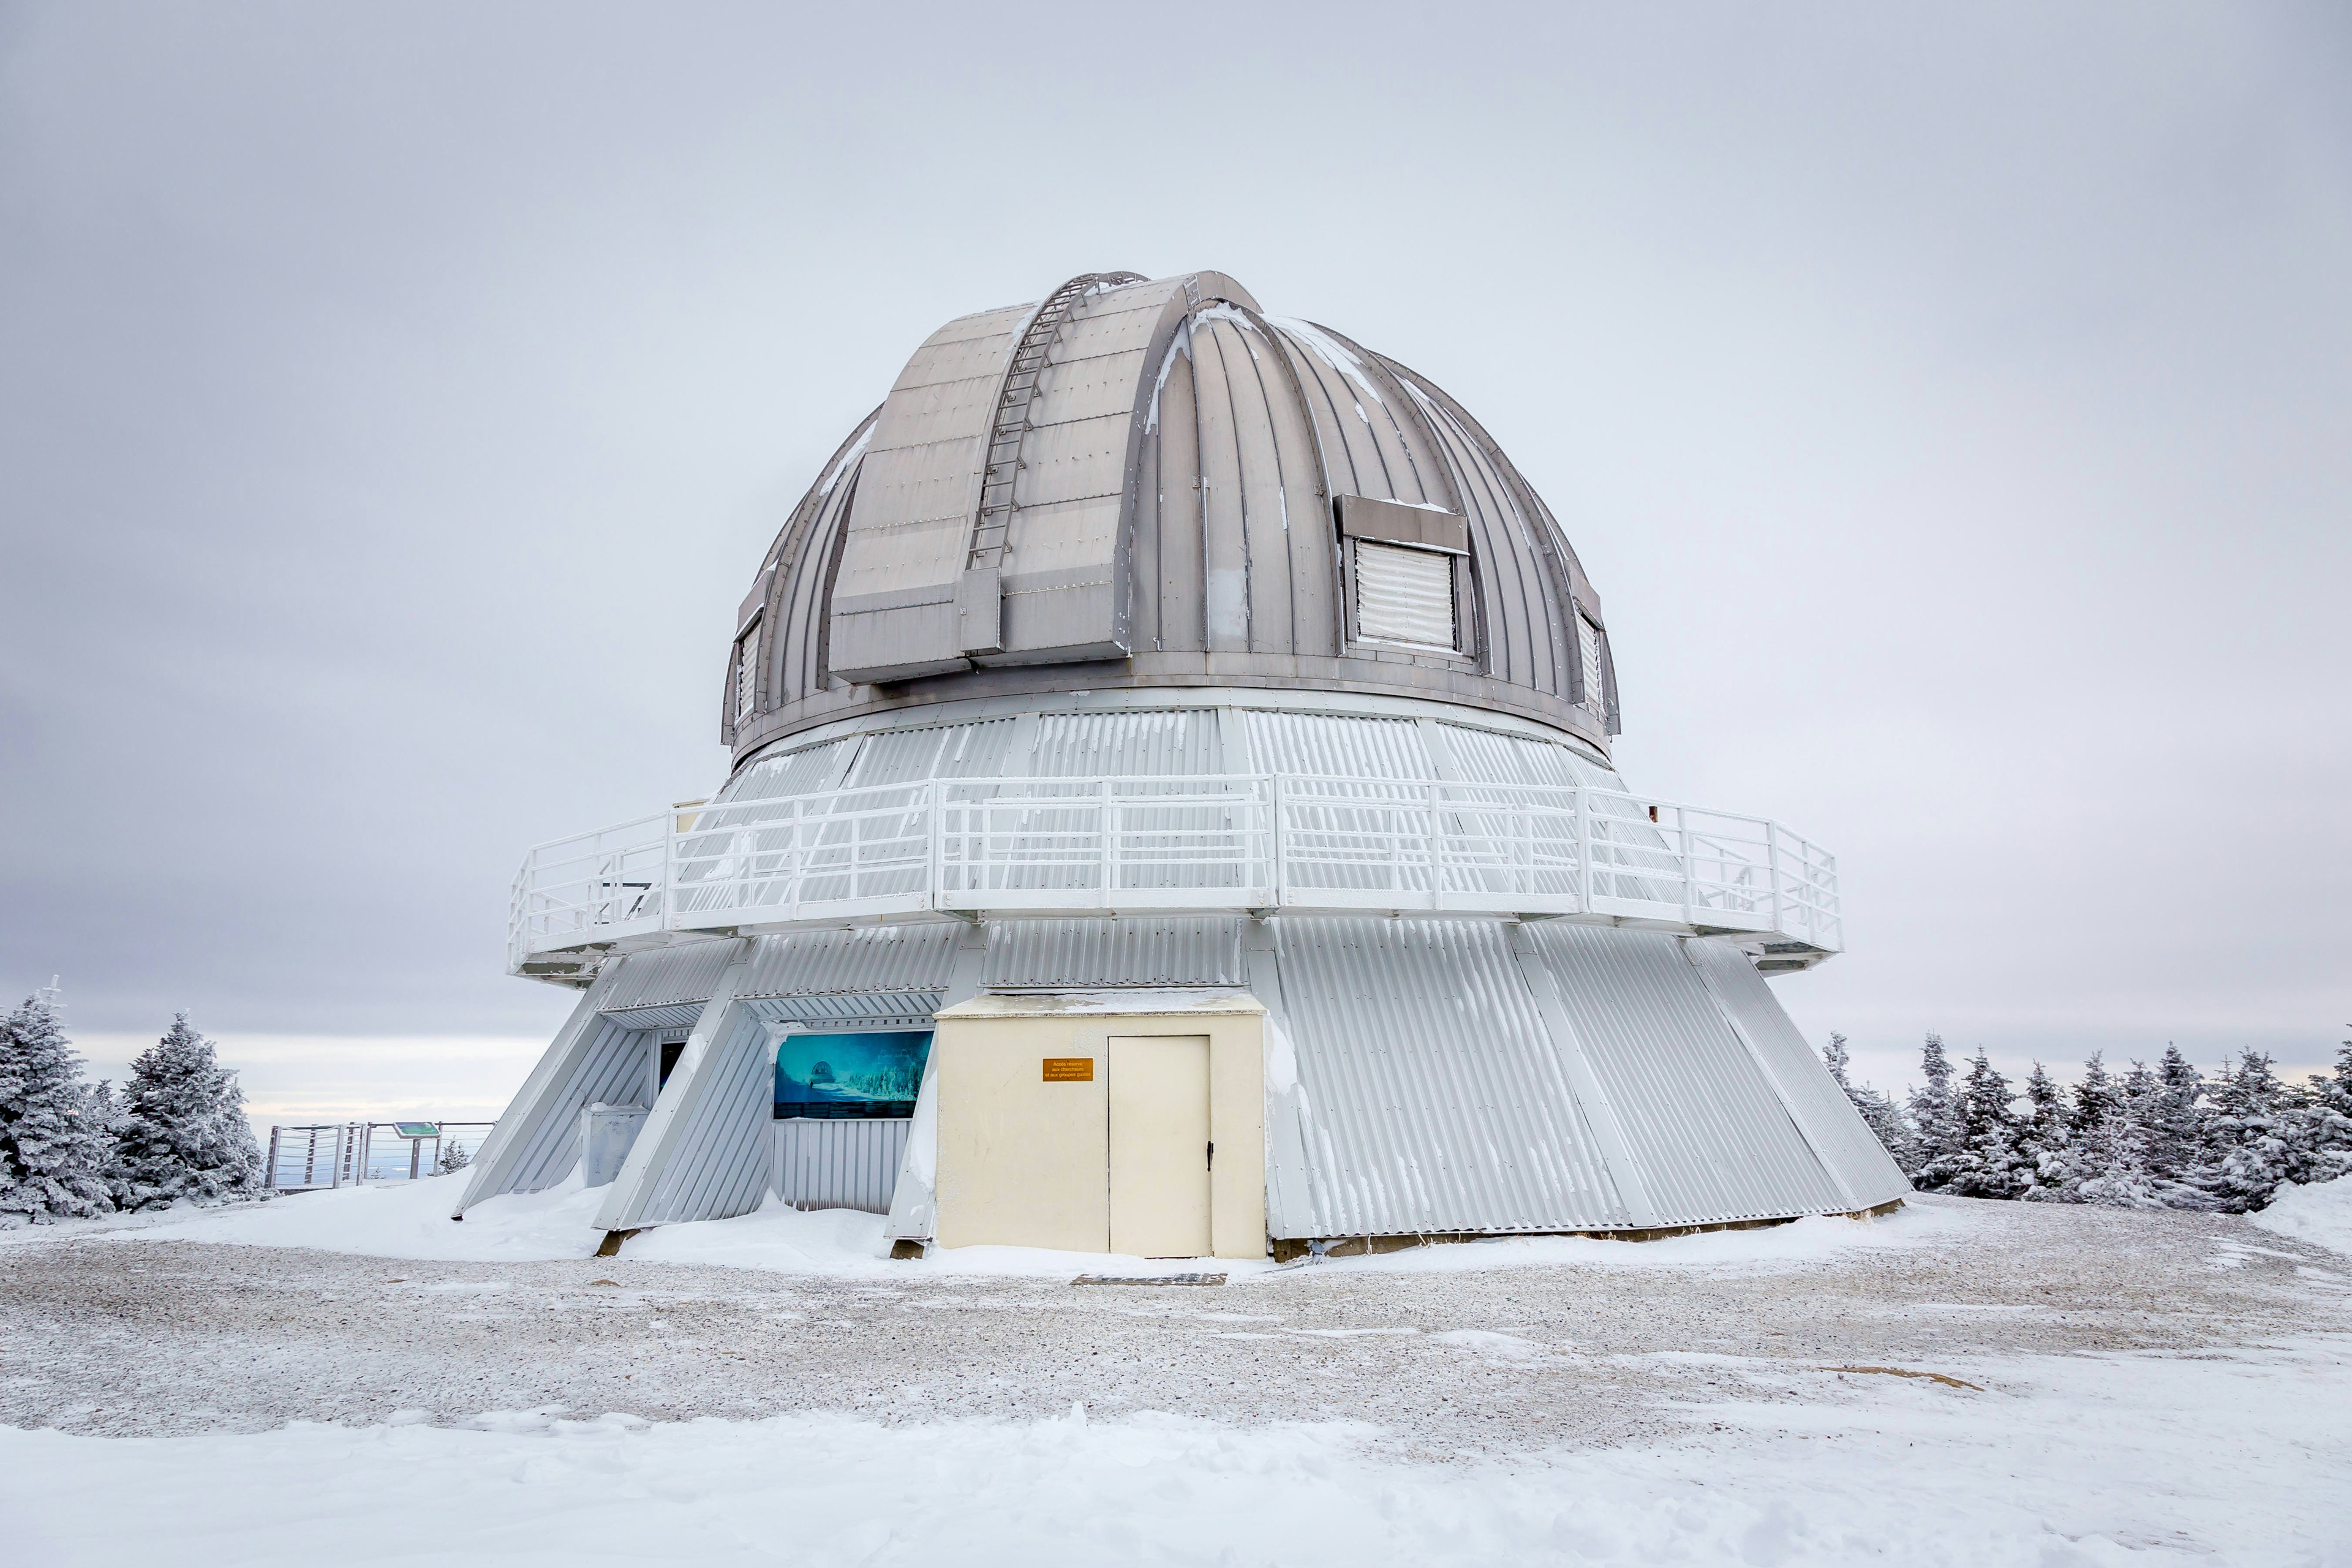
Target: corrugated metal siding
(804, 772)
(1482, 756)
(1077, 745)
(1332, 745)
(667, 978)
(1839, 1133)
(720, 1164)
(1433, 1099)
(839, 1164)
(858, 1007)
(1194, 950)
(884, 958)
(613, 1068)
(1711, 1137)
(944, 750)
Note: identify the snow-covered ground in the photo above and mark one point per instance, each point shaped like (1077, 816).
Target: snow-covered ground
(351, 1374)
(2243, 1458)
(2320, 1214)
(410, 1220)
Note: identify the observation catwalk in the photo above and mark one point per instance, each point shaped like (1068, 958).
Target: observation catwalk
(1146, 668)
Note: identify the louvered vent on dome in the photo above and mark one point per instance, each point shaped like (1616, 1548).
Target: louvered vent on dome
(1404, 596)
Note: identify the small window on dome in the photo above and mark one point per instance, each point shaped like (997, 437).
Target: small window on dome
(747, 672)
(1588, 647)
(1405, 596)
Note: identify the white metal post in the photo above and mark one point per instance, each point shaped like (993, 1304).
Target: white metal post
(1682, 827)
(939, 877)
(1109, 844)
(1436, 850)
(1583, 850)
(1277, 873)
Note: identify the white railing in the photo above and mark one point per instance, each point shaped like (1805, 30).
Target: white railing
(1203, 843)
(346, 1153)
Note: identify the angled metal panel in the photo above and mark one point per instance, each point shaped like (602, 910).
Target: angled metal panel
(1711, 1135)
(1432, 1098)
(1834, 1128)
(884, 960)
(1042, 955)
(719, 1164)
(1482, 756)
(912, 1009)
(669, 978)
(617, 1069)
(802, 772)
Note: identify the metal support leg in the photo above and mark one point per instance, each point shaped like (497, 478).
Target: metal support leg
(914, 1202)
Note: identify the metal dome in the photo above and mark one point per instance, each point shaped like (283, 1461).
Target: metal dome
(1151, 484)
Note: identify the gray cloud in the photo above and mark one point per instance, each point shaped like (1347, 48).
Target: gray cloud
(1954, 409)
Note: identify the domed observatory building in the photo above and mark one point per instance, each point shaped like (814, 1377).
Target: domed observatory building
(1172, 815)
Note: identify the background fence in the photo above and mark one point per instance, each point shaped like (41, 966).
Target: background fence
(345, 1154)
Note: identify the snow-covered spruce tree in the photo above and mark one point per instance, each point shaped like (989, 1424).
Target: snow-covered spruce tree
(452, 1157)
(1987, 1163)
(2255, 1136)
(2326, 1115)
(2046, 1141)
(1879, 1112)
(52, 1147)
(2104, 1160)
(2175, 1117)
(1939, 1137)
(183, 1131)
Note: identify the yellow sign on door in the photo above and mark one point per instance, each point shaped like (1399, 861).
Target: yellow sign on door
(1070, 1069)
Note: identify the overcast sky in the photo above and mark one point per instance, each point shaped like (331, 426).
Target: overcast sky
(1953, 407)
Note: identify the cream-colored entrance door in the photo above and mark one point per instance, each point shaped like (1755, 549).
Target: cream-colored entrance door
(1159, 1152)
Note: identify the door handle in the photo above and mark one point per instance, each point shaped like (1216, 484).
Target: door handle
(1213, 1156)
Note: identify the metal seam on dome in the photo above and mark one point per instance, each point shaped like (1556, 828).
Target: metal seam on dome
(1540, 524)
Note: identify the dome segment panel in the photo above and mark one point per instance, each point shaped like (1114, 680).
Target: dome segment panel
(893, 609)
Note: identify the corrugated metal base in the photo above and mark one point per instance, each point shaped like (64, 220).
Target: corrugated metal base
(1431, 1097)
(839, 1164)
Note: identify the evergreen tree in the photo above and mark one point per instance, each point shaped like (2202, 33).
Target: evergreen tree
(453, 1157)
(1939, 1137)
(1987, 1163)
(2046, 1141)
(2175, 1119)
(1879, 1112)
(183, 1131)
(2326, 1115)
(2256, 1139)
(52, 1147)
(2110, 1166)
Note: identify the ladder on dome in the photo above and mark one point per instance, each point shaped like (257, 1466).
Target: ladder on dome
(979, 595)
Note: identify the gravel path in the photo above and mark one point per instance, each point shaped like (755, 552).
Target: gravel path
(124, 1337)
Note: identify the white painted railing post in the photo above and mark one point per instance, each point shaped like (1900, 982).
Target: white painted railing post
(938, 845)
(1109, 843)
(1584, 884)
(1277, 872)
(1682, 827)
(1772, 870)
(1436, 847)
(669, 870)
